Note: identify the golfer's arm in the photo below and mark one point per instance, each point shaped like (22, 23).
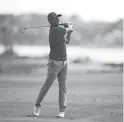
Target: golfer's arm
(68, 30)
(68, 37)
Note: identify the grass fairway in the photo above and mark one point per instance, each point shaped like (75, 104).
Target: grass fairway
(93, 97)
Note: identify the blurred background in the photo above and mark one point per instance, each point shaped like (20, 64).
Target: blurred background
(96, 44)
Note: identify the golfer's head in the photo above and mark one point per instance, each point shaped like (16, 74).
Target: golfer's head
(53, 18)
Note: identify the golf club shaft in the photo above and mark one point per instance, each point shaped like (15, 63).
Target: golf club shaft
(39, 26)
(36, 26)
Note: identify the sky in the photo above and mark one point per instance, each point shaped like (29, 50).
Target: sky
(105, 10)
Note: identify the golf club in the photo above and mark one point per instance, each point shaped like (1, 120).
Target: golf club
(25, 28)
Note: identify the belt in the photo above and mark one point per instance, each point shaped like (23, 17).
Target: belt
(59, 59)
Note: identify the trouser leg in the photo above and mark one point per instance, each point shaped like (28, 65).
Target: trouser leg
(62, 77)
(51, 76)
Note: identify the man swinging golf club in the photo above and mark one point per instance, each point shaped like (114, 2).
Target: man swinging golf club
(59, 36)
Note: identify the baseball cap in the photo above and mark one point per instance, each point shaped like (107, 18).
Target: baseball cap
(53, 15)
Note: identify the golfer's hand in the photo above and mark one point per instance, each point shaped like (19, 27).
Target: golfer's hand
(67, 25)
(69, 28)
(70, 25)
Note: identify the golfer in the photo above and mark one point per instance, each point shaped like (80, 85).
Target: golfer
(59, 36)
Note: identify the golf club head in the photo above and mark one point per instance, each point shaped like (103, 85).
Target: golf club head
(22, 30)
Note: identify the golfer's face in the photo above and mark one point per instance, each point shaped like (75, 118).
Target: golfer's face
(55, 21)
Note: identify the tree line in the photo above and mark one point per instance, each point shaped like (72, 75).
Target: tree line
(99, 33)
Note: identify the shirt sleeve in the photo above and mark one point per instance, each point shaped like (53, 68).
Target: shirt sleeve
(61, 30)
